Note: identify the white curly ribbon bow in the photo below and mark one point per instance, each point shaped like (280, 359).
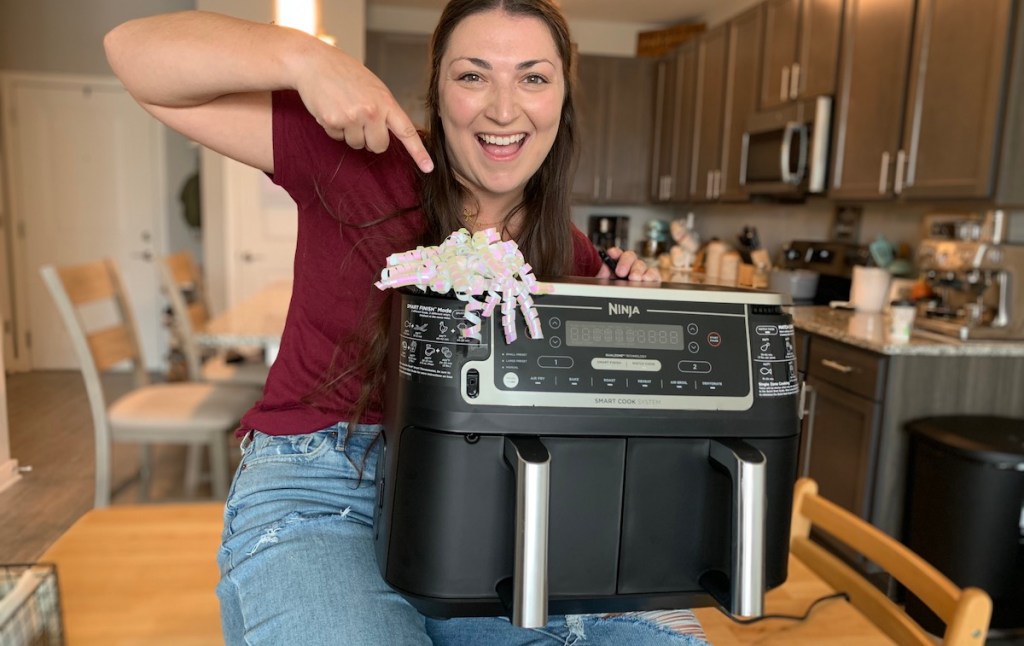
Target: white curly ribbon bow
(472, 266)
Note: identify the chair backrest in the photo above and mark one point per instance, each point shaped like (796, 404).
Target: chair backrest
(183, 284)
(99, 347)
(966, 612)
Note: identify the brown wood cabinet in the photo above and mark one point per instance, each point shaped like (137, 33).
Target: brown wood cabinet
(800, 50)
(615, 104)
(869, 106)
(402, 61)
(746, 35)
(958, 73)
(672, 143)
(712, 58)
(930, 102)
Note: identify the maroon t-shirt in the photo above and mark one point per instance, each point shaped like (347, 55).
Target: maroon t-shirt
(338, 256)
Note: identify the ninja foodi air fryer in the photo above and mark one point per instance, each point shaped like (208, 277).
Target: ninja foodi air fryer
(640, 456)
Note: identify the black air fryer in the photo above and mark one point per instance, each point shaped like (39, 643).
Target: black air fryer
(640, 456)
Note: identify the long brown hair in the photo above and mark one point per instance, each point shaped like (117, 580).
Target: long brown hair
(545, 235)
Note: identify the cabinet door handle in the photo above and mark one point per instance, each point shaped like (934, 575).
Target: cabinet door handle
(838, 367)
(718, 183)
(883, 175)
(784, 89)
(808, 396)
(794, 81)
(707, 189)
(897, 185)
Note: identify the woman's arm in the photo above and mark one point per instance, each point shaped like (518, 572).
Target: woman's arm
(209, 77)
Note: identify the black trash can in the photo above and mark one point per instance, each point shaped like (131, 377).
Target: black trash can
(965, 498)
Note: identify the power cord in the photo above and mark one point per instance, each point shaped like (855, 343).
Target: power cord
(807, 614)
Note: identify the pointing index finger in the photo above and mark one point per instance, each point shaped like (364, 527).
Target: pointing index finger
(403, 128)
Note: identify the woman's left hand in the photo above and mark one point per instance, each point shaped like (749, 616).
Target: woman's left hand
(630, 267)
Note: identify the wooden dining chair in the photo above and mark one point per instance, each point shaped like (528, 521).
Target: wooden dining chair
(966, 612)
(193, 414)
(182, 282)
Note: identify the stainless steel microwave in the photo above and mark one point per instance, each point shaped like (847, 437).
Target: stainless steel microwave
(785, 150)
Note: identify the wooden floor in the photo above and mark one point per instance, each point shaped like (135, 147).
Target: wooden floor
(51, 432)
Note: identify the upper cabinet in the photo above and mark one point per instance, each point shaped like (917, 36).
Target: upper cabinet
(672, 147)
(712, 58)
(800, 49)
(959, 71)
(746, 32)
(929, 103)
(869, 104)
(615, 105)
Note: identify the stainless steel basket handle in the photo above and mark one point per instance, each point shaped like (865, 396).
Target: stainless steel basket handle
(746, 467)
(531, 462)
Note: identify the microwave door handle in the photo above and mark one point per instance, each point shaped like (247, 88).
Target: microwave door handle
(801, 170)
(784, 153)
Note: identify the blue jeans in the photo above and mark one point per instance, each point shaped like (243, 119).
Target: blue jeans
(298, 567)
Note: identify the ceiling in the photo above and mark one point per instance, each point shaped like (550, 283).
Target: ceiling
(663, 12)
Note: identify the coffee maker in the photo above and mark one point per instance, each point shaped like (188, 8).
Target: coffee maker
(975, 265)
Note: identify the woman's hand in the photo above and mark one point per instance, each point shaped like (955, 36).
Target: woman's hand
(630, 267)
(352, 104)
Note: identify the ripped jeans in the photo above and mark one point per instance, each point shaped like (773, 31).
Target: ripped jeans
(298, 567)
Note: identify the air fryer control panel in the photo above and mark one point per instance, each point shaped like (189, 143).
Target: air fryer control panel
(638, 347)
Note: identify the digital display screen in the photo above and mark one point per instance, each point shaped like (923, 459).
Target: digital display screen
(597, 334)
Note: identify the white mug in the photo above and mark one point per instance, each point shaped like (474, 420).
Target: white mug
(870, 288)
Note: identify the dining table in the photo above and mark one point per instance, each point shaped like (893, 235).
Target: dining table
(256, 321)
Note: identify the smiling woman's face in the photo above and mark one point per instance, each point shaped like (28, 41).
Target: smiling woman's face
(501, 91)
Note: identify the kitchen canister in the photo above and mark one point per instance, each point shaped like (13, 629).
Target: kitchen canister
(729, 267)
(869, 290)
(713, 258)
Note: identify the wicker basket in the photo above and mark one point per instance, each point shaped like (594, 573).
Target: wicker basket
(30, 606)
(663, 41)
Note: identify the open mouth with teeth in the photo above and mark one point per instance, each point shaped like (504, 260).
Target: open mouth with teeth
(501, 146)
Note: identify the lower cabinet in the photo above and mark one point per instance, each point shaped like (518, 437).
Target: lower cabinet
(843, 421)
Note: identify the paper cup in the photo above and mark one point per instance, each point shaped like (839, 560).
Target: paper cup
(901, 321)
(870, 288)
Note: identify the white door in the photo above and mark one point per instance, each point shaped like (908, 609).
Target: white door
(87, 181)
(262, 227)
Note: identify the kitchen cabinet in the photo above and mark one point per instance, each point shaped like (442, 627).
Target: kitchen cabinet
(672, 143)
(841, 428)
(873, 70)
(746, 34)
(712, 58)
(930, 101)
(959, 71)
(712, 171)
(402, 61)
(801, 49)
(615, 107)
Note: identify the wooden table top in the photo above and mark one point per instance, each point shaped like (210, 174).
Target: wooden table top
(258, 320)
(145, 574)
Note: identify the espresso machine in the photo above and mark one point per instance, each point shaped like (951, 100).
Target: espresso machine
(640, 456)
(974, 263)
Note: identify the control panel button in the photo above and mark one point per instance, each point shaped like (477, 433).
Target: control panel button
(692, 328)
(693, 346)
(554, 322)
(510, 379)
(555, 342)
(694, 366)
(714, 339)
(552, 361)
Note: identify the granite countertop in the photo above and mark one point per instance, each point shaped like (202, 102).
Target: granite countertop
(871, 331)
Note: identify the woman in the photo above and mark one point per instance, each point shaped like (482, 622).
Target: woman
(297, 557)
